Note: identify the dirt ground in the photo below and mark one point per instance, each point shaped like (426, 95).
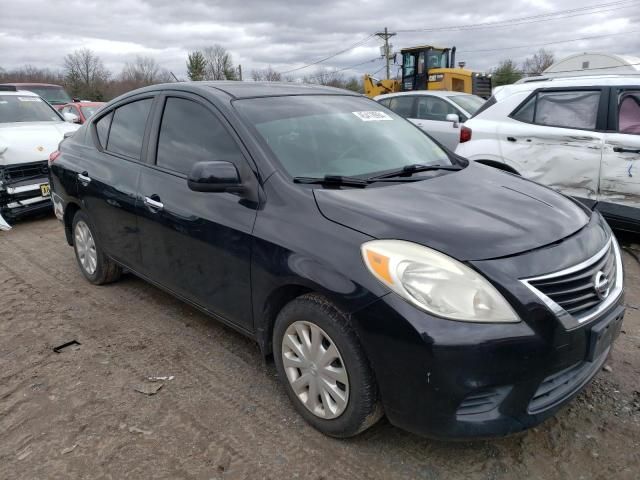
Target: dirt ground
(77, 414)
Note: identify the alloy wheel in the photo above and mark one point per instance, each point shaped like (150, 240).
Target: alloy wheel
(86, 247)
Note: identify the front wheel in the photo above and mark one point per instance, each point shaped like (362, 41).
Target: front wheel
(325, 372)
(93, 263)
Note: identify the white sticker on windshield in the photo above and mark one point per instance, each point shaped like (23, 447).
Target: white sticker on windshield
(29, 99)
(372, 116)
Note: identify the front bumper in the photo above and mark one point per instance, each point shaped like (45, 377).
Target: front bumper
(447, 379)
(23, 198)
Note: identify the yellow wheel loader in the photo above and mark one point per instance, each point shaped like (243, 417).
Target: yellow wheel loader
(430, 68)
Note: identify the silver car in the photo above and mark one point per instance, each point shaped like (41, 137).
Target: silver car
(436, 112)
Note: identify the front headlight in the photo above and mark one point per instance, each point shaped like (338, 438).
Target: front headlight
(436, 282)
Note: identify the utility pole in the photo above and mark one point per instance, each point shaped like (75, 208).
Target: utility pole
(240, 72)
(387, 51)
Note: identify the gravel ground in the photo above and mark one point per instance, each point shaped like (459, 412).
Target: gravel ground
(222, 413)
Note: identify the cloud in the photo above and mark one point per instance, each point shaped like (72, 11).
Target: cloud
(289, 34)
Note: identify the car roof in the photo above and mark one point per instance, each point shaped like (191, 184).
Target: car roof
(21, 93)
(435, 93)
(240, 89)
(534, 83)
(25, 84)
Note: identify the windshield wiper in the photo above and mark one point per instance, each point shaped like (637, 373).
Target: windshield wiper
(333, 180)
(411, 169)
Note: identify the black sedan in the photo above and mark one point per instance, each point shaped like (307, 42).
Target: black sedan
(384, 274)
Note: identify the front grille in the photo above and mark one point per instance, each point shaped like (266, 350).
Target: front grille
(574, 289)
(15, 173)
(562, 384)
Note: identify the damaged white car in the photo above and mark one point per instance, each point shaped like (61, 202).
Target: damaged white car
(578, 135)
(30, 129)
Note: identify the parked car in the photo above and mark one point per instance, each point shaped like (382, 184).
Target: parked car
(54, 94)
(79, 112)
(383, 273)
(30, 129)
(579, 135)
(438, 113)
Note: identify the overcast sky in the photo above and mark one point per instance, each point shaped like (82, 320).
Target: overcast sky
(292, 33)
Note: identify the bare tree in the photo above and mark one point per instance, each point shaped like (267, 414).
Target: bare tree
(538, 63)
(266, 75)
(29, 73)
(85, 74)
(219, 64)
(144, 71)
(330, 78)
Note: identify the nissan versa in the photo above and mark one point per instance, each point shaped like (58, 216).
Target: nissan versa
(385, 274)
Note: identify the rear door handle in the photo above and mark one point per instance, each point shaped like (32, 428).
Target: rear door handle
(626, 150)
(511, 139)
(84, 177)
(154, 205)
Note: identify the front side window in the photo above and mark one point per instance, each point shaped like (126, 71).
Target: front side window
(127, 128)
(469, 103)
(629, 113)
(16, 108)
(190, 133)
(319, 135)
(434, 108)
(568, 109)
(402, 105)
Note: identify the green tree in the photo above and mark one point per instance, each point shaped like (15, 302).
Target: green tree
(196, 66)
(505, 73)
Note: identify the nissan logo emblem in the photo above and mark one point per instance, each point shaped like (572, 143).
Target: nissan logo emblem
(602, 285)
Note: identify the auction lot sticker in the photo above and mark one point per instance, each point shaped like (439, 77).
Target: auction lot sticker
(372, 116)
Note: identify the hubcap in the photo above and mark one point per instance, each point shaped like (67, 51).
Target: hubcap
(85, 248)
(315, 370)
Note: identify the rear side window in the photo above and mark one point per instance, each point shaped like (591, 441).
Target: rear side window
(127, 128)
(102, 129)
(402, 105)
(190, 133)
(629, 113)
(568, 109)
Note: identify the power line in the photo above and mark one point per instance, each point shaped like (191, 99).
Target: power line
(346, 68)
(588, 10)
(355, 45)
(547, 43)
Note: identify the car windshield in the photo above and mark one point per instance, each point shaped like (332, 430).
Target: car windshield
(469, 103)
(17, 108)
(88, 111)
(318, 135)
(53, 95)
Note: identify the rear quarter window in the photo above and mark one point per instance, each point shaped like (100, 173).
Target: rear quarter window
(102, 129)
(564, 109)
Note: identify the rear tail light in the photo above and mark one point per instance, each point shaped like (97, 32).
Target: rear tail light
(54, 156)
(465, 134)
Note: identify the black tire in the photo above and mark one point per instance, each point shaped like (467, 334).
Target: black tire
(106, 271)
(363, 407)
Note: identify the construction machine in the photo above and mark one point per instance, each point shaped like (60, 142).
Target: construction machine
(430, 68)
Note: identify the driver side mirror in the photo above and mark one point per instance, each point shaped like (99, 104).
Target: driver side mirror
(71, 117)
(215, 177)
(454, 118)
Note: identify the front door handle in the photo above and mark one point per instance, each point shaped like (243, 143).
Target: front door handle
(626, 150)
(511, 139)
(154, 205)
(84, 178)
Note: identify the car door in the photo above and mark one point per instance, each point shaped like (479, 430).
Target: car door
(197, 244)
(108, 177)
(620, 172)
(430, 114)
(555, 138)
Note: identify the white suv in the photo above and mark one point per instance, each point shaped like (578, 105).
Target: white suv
(579, 135)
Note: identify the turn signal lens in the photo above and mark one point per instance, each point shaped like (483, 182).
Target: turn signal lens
(435, 282)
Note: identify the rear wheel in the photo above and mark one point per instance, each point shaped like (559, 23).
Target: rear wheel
(93, 263)
(323, 367)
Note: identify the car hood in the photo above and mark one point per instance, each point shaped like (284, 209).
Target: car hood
(24, 142)
(477, 213)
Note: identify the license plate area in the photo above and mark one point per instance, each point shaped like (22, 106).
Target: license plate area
(602, 335)
(44, 190)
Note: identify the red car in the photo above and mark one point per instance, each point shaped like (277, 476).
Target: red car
(82, 110)
(54, 94)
